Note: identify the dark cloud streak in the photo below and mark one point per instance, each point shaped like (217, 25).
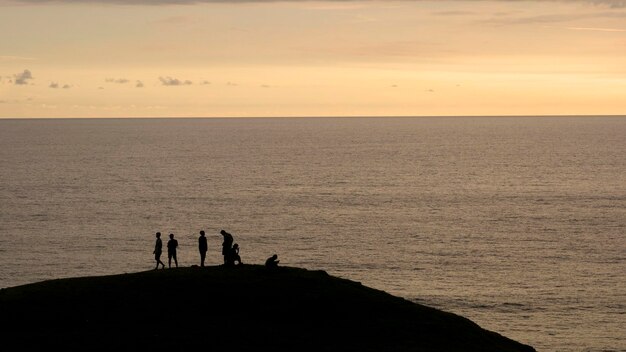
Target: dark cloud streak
(117, 80)
(22, 78)
(169, 81)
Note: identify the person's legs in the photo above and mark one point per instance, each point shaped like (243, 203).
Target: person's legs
(158, 261)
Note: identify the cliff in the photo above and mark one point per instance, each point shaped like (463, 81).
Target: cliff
(244, 308)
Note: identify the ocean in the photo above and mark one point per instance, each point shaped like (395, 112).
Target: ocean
(517, 223)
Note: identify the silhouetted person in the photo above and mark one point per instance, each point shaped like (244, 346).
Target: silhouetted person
(272, 262)
(158, 249)
(202, 247)
(226, 245)
(172, 244)
(234, 255)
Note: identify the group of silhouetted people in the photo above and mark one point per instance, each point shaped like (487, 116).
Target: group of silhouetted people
(230, 251)
(172, 244)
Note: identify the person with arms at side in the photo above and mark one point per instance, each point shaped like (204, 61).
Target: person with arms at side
(202, 247)
(172, 245)
(158, 249)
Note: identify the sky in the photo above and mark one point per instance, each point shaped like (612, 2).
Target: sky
(260, 58)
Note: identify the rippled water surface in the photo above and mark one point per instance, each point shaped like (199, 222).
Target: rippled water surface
(516, 223)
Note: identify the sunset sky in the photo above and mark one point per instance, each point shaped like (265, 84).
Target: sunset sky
(158, 58)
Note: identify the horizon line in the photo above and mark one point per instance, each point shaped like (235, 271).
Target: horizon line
(304, 117)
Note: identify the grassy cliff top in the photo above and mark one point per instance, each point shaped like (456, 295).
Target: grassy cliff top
(242, 308)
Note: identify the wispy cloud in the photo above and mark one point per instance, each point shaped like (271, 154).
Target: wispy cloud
(169, 81)
(555, 18)
(335, 6)
(15, 58)
(610, 3)
(596, 29)
(117, 80)
(22, 78)
(453, 13)
(175, 20)
(56, 85)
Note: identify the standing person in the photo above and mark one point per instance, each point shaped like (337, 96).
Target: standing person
(172, 244)
(158, 249)
(228, 242)
(202, 247)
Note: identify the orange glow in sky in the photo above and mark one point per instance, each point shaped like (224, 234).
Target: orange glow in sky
(306, 58)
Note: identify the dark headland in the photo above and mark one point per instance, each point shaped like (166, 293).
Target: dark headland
(245, 308)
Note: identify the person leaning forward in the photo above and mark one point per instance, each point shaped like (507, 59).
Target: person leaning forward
(226, 245)
(272, 262)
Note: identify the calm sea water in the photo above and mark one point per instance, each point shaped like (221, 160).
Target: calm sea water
(516, 223)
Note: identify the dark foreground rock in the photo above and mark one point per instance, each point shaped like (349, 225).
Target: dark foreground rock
(244, 308)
